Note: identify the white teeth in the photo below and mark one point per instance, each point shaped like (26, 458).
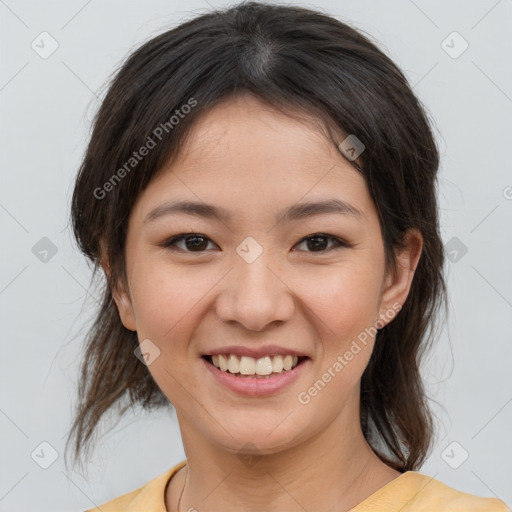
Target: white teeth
(264, 366)
(223, 363)
(233, 364)
(288, 362)
(277, 364)
(246, 365)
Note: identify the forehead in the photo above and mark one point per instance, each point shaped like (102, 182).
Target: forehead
(245, 153)
(245, 125)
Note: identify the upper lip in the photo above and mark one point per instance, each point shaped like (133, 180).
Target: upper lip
(256, 352)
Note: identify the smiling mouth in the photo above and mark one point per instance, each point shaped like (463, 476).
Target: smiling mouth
(261, 368)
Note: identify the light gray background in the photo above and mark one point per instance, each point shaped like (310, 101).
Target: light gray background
(46, 111)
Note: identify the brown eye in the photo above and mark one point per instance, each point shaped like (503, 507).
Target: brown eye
(193, 242)
(319, 242)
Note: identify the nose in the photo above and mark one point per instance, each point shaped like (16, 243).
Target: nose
(255, 295)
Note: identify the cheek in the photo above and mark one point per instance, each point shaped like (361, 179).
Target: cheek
(168, 307)
(341, 301)
(344, 305)
(344, 299)
(165, 297)
(344, 309)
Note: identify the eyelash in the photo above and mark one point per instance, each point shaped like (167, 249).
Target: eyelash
(169, 243)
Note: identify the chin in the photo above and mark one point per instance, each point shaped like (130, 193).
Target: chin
(262, 437)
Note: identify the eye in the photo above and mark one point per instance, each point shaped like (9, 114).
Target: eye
(194, 242)
(318, 242)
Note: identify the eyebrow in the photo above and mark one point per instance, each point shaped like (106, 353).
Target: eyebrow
(293, 213)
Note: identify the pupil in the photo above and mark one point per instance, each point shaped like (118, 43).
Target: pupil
(196, 245)
(316, 245)
(199, 242)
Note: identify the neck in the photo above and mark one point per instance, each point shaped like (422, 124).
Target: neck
(334, 470)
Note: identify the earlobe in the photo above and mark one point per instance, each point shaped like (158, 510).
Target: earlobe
(398, 282)
(121, 297)
(125, 308)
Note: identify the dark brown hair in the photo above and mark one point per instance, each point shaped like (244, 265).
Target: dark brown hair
(300, 62)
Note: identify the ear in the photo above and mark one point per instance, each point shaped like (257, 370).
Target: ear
(121, 296)
(397, 282)
(124, 305)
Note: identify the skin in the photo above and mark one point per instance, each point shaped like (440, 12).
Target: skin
(254, 161)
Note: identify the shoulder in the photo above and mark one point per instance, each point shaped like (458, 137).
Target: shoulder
(149, 497)
(415, 492)
(424, 493)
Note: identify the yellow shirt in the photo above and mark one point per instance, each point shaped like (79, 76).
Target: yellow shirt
(410, 492)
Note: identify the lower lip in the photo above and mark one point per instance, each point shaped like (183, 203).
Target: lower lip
(253, 386)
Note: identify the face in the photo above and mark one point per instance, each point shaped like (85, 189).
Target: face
(268, 275)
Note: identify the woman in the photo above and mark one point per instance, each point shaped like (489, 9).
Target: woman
(259, 190)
